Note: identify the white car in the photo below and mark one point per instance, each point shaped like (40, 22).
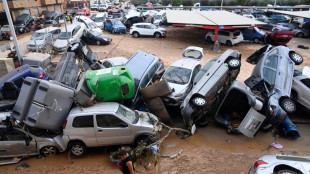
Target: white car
(99, 19)
(90, 24)
(94, 7)
(74, 33)
(181, 73)
(281, 164)
(103, 7)
(115, 61)
(160, 17)
(227, 37)
(147, 29)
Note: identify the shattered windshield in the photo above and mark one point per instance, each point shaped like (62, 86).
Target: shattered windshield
(177, 75)
(127, 114)
(63, 35)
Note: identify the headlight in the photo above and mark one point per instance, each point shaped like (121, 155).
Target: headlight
(270, 110)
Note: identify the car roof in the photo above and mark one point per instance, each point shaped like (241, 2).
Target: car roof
(69, 28)
(142, 23)
(98, 107)
(47, 29)
(188, 63)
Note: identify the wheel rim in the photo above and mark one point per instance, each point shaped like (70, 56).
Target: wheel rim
(256, 40)
(289, 106)
(199, 101)
(135, 34)
(296, 57)
(49, 151)
(157, 35)
(234, 62)
(229, 43)
(77, 150)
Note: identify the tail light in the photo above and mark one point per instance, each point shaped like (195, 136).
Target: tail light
(65, 124)
(258, 163)
(162, 62)
(41, 75)
(235, 37)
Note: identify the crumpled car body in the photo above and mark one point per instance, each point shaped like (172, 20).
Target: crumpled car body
(300, 88)
(210, 86)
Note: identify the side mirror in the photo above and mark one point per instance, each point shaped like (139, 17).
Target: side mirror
(122, 124)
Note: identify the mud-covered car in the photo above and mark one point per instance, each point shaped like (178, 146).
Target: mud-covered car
(301, 86)
(272, 77)
(114, 61)
(16, 142)
(210, 86)
(108, 123)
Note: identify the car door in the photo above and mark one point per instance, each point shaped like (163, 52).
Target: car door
(18, 143)
(148, 30)
(112, 130)
(108, 25)
(76, 35)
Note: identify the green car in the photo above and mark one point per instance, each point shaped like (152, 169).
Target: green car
(111, 84)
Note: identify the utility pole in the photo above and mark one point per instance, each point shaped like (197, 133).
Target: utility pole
(222, 5)
(8, 15)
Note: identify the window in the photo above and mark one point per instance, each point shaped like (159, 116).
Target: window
(306, 82)
(16, 135)
(107, 64)
(272, 59)
(109, 121)
(83, 121)
(144, 81)
(269, 76)
(147, 26)
(76, 30)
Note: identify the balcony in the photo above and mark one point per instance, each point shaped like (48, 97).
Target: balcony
(48, 2)
(13, 4)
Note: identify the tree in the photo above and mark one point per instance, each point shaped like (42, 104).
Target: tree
(176, 2)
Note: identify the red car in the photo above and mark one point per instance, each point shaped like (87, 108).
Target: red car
(36, 24)
(277, 37)
(83, 11)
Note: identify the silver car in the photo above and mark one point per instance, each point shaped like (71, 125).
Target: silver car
(180, 75)
(41, 38)
(298, 32)
(301, 86)
(16, 142)
(105, 124)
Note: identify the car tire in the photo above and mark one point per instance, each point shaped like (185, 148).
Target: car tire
(300, 35)
(286, 171)
(98, 42)
(296, 58)
(234, 64)
(135, 34)
(77, 148)
(256, 40)
(113, 31)
(288, 106)
(157, 35)
(228, 43)
(199, 101)
(48, 151)
(209, 40)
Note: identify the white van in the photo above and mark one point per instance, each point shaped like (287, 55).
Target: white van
(160, 18)
(100, 18)
(90, 24)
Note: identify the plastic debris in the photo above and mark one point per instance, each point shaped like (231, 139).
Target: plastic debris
(21, 166)
(173, 156)
(276, 145)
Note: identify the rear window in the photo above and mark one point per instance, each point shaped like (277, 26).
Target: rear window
(83, 121)
(237, 33)
(177, 75)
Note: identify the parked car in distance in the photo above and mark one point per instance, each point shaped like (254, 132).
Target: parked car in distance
(281, 164)
(23, 22)
(83, 11)
(147, 29)
(114, 26)
(39, 38)
(301, 86)
(210, 85)
(100, 18)
(160, 18)
(94, 7)
(73, 32)
(281, 18)
(16, 142)
(248, 15)
(271, 23)
(5, 32)
(102, 7)
(95, 38)
(114, 61)
(143, 75)
(180, 75)
(298, 32)
(253, 34)
(227, 37)
(275, 66)
(105, 124)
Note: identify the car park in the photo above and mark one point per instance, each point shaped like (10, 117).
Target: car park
(23, 22)
(227, 37)
(143, 76)
(114, 26)
(253, 34)
(100, 18)
(281, 164)
(298, 32)
(301, 86)
(210, 86)
(272, 77)
(114, 61)
(180, 75)
(72, 33)
(105, 124)
(95, 38)
(147, 29)
(39, 38)
(16, 142)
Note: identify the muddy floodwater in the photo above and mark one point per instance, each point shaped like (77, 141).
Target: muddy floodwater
(211, 149)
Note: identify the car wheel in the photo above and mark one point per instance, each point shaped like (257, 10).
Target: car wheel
(256, 40)
(234, 64)
(135, 34)
(113, 31)
(286, 171)
(209, 39)
(77, 148)
(199, 101)
(98, 42)
(288, 106)
(157, 35)
(48, 151)
(160, 24)
(297, 58)
(142, 140)
(300, 35)
(228, 43)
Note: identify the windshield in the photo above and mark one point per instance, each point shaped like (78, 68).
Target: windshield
(5, 28)
(100, 19)
(158, 17)
(38, 36)
(63, 35)
(117, 22)
(127, 114)
(81, 10)
(177, 75)
(192, 54)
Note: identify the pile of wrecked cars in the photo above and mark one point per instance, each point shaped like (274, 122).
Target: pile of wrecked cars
(88, 103)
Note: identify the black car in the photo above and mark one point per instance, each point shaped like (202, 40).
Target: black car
(270, 23)
(23, 23)
(96, 38)
(52, 19)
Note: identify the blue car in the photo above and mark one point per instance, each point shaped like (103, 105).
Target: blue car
(281, 18)
(114, 26)
(253, 34)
